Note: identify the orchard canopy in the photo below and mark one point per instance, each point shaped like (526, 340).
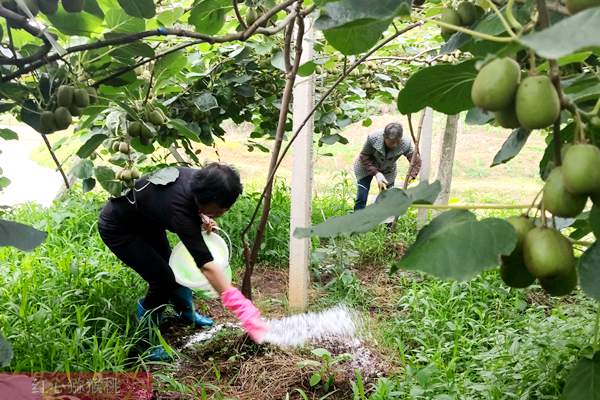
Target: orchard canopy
(141, 83)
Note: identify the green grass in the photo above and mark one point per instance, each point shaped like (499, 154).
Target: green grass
(479, 340)
(63, 305)
(67, 306)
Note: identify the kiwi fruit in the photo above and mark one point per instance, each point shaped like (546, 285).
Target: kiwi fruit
(251, 16)
(156, 117)
(64, 95)
(93, 95)
(581, 169)
(514, 273)
(467, 13)
(124, 148)
(126, 175)
(146, 132)
(449, 16)
(507, 118)
(47, 123)
(496, 83)
(62, 118)
(81, 98)
(558, 199)
(522, 225)
(560, 285)
(75, 111)
(563, 150)
(537, 103)
(134, 129)
(547, 253)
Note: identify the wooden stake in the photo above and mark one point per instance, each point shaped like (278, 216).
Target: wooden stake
(302, 173)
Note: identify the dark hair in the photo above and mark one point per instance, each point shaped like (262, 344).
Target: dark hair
(216, 183)
(393, 131)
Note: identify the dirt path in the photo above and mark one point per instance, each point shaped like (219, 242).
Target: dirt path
(30, 182)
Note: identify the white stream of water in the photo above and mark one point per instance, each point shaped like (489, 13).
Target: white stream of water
(297, 330)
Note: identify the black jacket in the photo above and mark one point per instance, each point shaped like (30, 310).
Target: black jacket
(159, 207)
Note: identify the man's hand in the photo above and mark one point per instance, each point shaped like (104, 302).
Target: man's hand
(208, 223)
(381, 181)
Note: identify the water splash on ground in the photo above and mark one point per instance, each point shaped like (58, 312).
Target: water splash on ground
(297, 330)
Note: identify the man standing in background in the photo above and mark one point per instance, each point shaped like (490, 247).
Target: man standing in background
(378, 159)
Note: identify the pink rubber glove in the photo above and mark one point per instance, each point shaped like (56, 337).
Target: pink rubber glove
(246, 312)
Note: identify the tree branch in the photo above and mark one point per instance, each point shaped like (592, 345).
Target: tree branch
(178, 32)
(251, 255)
(543, 23)
(238, 15)
(11, 45)
(310, 9)
(267, 32)
(19, 21)
(150, 82)
(287, 53)
(26, 60)
(144, 62)
(415, 156)
(416, 57)
(343, 76)
(416, 140)
(58, 164)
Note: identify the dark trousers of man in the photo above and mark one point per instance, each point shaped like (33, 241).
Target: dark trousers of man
(143, 248)
(362, 192)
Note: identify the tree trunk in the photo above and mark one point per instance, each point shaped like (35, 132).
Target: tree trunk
(425, 152)
(251, 253)
(444, 174)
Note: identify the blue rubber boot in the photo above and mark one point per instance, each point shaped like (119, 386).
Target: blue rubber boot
(153, 318)
(184, 307)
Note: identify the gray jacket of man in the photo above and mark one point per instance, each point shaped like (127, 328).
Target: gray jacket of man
(374, 157)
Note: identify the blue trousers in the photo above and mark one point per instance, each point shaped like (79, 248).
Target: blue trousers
(362, 192)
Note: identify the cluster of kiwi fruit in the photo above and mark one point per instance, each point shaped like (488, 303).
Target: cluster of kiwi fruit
(531, 103)
(48, 7)
(569, 185)
(255, 13)
(128, 176)
(67, 102)
(465, 14)
(251, 16)
(140, 129)
(541, 253)
(366, 78)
